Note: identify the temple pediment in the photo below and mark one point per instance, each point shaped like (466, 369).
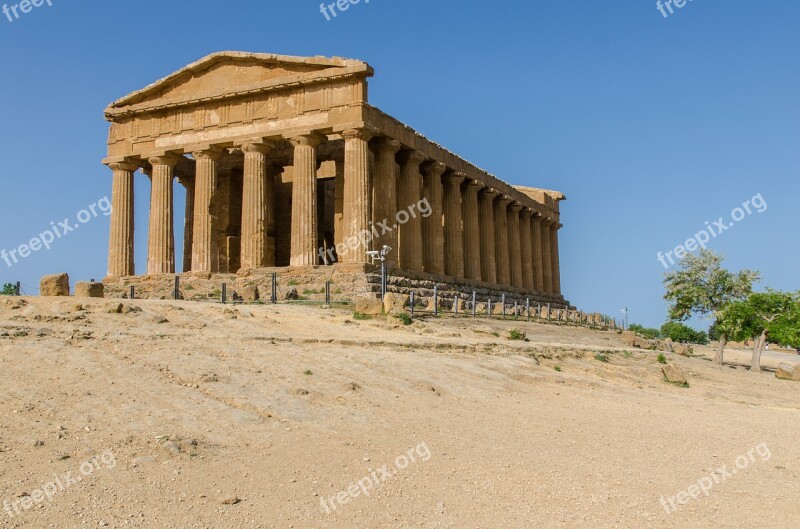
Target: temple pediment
(231, 74)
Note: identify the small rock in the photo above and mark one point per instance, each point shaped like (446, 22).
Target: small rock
(674, 374)
(233, 500)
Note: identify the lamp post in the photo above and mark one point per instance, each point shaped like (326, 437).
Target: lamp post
(625, 312)
(376, 255)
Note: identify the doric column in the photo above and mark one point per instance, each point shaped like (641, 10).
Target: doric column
(205, 253)
(385, 184)
(304, 200)
(547, 257)
(432, 227)
(501, 240)
(538, 253)
(188, 222)
(555, 265)
(409, 193)
(161, 243)
(120, 245)
(338, 203)
(514, 246)
(472, 235)
(488, 255)
(526, 249)
(258, 195)
(453, 225)
(356, 192)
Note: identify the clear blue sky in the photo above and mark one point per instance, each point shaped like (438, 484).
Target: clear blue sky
(650, 125)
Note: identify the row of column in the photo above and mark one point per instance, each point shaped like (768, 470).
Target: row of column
(472, 232)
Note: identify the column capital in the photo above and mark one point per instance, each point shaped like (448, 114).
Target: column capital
(527, 213)
(212, 153)
(489, 193)
(555, 225)
(411, 157)
(388, 145)
(455, 178)
(313, 140)
(358, 134)
(257, 147)
(473, 186)
(170, 160)
(123, 166)
(503, 201)
(433, 168)
(516, 207)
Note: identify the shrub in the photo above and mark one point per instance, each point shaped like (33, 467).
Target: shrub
(650, 334)
(601, 358)
(661, 358)
(516, 334)
(8, 290)
(405, 318)
(361, 316)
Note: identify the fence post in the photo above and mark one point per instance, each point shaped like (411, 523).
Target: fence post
(411, 303)
(528, 309)
(17, 288)
(327, 292)
(516, 309)
(435, 300)
(224, 298)
(474, 303)
(177, 287)
(503, 301)
(133, 292)
(455, 305)
(548, 313)
(489, 308)
(274, 297)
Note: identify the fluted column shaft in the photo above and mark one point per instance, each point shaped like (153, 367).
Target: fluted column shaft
(526, 249)
(538, 252)
(205, 254)
(556, 269)
(304, 201)
(514, 246)
(432, 226)
(258, 192)
(472, 235)
(453, 225)
(547, 257)
(120, 246)
(488, 254)
(188, 222)
(161, 242)
(356, 213)
(385, 206)
(501, 241)
(409, 194)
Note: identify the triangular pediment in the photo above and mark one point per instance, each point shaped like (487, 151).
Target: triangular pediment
(226, 74)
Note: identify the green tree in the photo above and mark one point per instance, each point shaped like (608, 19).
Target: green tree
(702, 286)
(8, 290)
(646, 332)
(678, 332)
(766, 315)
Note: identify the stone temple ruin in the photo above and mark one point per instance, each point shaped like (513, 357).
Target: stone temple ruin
(288, 168)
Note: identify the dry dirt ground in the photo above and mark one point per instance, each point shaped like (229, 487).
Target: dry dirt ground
(186, 415)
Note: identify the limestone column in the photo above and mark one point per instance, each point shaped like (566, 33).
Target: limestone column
(304, 201)
(432, 226)
(488, 255)
(526, 250)
(472, 235)
(410, 226)
(161, 243)
(338, 203)
(258, 193)
(188, 222)
(205, 253)
(120, 245)
(538, 253)
(555, 265)
(385, 183)
(501, 240)
(356, 192)
(453, 225)
(547, 257)
(514, 246)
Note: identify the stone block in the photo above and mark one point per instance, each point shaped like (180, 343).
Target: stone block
(395, 303)
(674, 374)
(788, 372)
(54, 285)
(84, 289)
(369, 306)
